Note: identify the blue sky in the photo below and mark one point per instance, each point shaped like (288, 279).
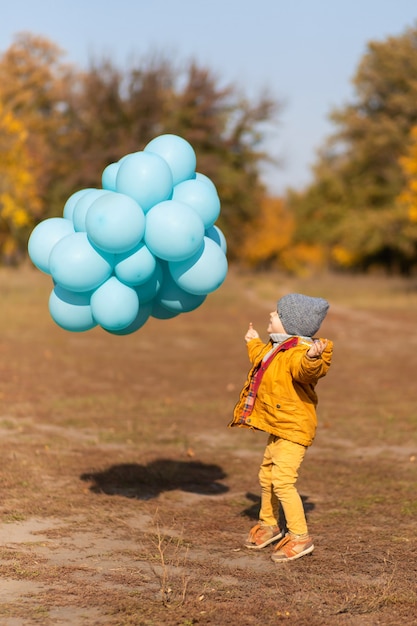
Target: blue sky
(305, 52)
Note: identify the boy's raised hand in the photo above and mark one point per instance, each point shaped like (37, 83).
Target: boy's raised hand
(251, 333)
(317, 348)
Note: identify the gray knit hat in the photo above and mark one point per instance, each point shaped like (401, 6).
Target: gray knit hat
(301, 315)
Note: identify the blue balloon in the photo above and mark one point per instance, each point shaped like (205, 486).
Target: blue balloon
(148, 290)
(217, 236)
(161, 313)
(201, 197)
(146, 178)
(72, 201)
(44, 237)
(202, 273)
(70, 310)
(136, 266)
(178, 153)
(142, 317)
(76, 265)
(115, 222)
(174, 231)
(114, 305)
(172, 297)
(205, 179)
(108, 177)
(82, 205)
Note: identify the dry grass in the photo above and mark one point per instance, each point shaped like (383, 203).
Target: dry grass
(126, 498)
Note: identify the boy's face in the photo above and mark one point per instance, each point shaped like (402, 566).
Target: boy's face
(275, 324)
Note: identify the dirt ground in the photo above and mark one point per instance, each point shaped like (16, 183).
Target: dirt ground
(125, 499)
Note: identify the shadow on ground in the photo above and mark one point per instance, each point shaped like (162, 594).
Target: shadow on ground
(148, 481)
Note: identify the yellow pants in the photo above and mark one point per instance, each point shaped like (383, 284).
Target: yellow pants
(277, 476)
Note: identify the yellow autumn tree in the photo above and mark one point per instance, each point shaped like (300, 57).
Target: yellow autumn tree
(408, 197)
(19, 200)
(269, 241)
(268, 235)
(406, 204)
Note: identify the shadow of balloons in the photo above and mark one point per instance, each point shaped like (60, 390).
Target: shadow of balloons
(144, 482)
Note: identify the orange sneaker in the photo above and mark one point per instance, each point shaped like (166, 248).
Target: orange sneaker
(262, 535)
(292, 547)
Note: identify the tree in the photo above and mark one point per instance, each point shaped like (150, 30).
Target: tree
(18, 190)
(350, 207)
(227, 133)
(33, 87)
(113, 114)
(269, 235)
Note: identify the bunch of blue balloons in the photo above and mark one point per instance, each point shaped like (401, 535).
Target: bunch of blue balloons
(145, 244)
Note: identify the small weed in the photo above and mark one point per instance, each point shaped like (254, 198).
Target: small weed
(170, 566)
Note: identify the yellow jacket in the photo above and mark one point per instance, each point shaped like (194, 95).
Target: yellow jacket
(285, 403)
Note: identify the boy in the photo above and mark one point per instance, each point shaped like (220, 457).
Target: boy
(279, 398)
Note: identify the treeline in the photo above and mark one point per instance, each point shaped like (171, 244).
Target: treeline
(60, 127)
(361, 209)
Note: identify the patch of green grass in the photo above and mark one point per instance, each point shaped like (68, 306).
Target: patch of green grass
(40, 612)
(409, 507)
(23, 573)
(8, 424)
(365, 504)
(13, 516)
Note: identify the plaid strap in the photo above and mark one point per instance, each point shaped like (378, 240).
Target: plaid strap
(257, 376)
